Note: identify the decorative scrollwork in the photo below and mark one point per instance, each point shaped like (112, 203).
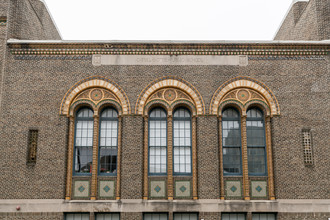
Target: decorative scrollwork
(96, 95)
(169, 96)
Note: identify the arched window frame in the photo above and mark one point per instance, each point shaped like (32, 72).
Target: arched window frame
(238, 119)
(97, 94)
(264, 144)
(104, 119)
(162, 119)
(185, 119)
(245, 92)
(77, 120)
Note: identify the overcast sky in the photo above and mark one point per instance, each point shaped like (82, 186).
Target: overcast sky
(168, 19)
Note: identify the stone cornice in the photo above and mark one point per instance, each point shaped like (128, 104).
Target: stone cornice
(166, 48)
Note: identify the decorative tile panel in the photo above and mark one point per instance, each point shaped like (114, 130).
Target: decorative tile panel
(107, 189)
(157, 189)
(259, 189)
(233, 189)
(182, 189)
(81, 189)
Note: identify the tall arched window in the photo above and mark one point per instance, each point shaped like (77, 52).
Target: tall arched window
(231, 142)
(108, 142)
(83, 153)
(256, 142)
(182, 142)
(157, 142)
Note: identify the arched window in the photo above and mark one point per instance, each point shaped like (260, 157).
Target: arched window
(256, 142)
(157, 142)
(231, 142)
(182, 142)
(83, 153)
(108, 142)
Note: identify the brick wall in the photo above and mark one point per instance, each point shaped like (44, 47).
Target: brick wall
(35, 88)
(306, 21)
(208, 158)
(29, 20)
(32, 215)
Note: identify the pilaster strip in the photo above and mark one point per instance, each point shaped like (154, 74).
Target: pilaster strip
(246, 188)
(145, 159)
(118, 187)
(222, 182)
(194, 157)
(95, 157)
(170, 157)
(271, 189)
(70, 159)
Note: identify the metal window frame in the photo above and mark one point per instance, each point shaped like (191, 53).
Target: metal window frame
(157, 119)
(99, 147)
(74, 173)
(182, 119)
(262, 118)
(240, 138)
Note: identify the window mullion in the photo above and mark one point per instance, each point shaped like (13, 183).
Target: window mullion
(170, 157)
(95, 157)
(246, 189)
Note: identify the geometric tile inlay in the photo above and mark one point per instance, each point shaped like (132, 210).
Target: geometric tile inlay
(107, 189)
(157, 189)
(259, 189)
(233, 188)
(182, 189)
(81, 189)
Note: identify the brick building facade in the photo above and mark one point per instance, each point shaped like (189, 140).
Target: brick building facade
(164, 130)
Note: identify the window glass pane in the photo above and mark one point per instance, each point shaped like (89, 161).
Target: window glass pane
(256, 160)
(150, 216)
(263, 216)
(85, 113)
(181, 113)
(76, 216)
(108, 142)
(157, 141)
(232, 216)
(185, 216)
(255, 130)
(157, 113)
(83, 159)
(231, 160)
(231, 141)
(182, 141)
(182, 159)
(107, 216)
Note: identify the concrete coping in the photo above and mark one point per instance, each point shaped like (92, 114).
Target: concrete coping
(17, 41)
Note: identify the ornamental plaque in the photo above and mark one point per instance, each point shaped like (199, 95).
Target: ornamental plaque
(190, 60)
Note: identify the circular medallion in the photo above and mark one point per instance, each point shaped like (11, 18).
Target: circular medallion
(169, 95)
(243, 95)
(96, 95)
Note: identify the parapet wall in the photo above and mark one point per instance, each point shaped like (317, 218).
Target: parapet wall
(306, 21)
(30, 20)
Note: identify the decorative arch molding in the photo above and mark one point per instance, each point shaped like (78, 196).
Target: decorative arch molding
(245, 91)
(95, 90)
(170, 90)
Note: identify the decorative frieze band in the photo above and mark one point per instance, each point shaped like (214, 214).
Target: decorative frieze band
(225, 49)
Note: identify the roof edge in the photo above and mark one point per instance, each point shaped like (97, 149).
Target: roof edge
(17, 41)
